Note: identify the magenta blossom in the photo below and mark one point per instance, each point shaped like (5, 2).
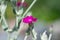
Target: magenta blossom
(18, 4)
(29, 19)
(23, 4)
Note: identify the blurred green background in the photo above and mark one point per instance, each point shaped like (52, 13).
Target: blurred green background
(44, 10)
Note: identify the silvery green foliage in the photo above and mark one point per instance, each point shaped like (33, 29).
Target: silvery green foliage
(35, 34)
(45, 37)
(29, 14)
(3, 20)
(19, 12)
(32, 31)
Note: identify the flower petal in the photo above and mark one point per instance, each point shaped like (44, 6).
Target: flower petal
(34, 19)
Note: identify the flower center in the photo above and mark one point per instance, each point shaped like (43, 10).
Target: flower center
(30, 20)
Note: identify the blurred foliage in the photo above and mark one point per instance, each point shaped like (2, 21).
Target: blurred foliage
(46, 10)
(9, 12)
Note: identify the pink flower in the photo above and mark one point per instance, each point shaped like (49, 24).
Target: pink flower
(29, 19)
(19, 4)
